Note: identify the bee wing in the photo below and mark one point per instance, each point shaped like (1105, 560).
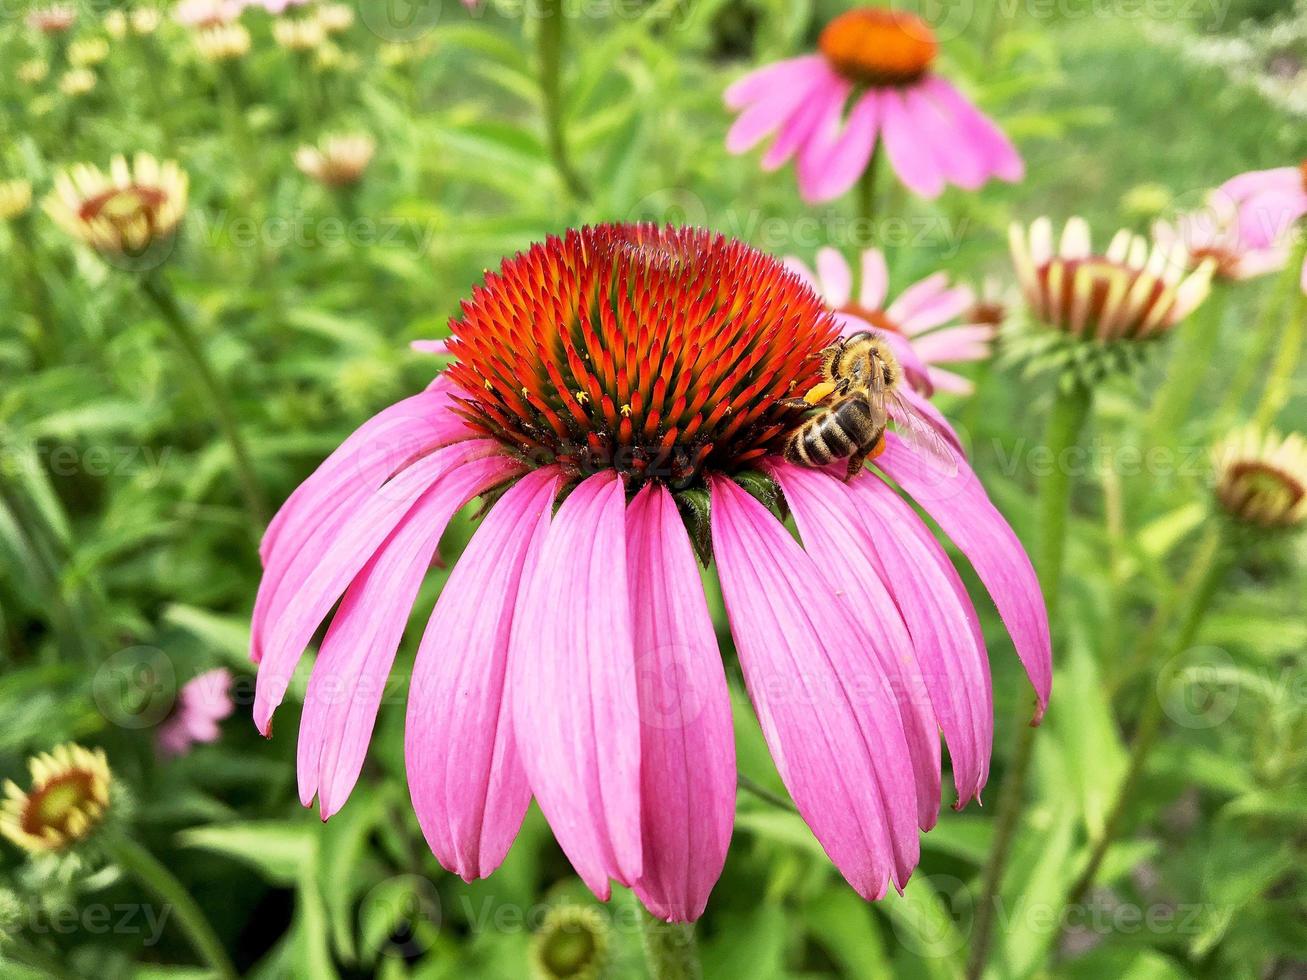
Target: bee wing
(920, 434)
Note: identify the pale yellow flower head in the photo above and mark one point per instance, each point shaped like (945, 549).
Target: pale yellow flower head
(223, 42)
(337, 161)
(86, 52)
(65, 804)
(296, 34)
(122, 212)
(77, 81)
(1261, 478)
(15, 198)
(335, 17)
(34, 71)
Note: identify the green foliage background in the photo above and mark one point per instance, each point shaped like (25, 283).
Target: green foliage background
(122, 533)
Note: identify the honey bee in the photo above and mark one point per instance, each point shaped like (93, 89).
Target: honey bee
(852, 405)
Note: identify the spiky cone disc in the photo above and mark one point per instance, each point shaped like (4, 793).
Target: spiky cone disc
(663, 353)
(128, 214)
(1261, 478)
(67, 801)
(1092, 315)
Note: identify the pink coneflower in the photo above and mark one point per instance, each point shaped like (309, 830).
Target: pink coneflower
(203, 701)
(204, 14)
(916, 316)
(1270, 203)
(1214, 233)
(55, 19)
(871, 80)
(607, 388)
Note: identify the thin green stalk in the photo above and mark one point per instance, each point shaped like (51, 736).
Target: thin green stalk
(1211, 564)
(150, 872)
(1266, 331)
(763, 793)
(1070, 412)
(156, 287)
(1280, 382)
(867, 190)
(50, 342)
(549, 42)
(669, 949)
(46, 965)
(1190, 365)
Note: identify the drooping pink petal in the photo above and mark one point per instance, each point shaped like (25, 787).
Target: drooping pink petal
(875, 279)
(373, 453)
(977, 131)
(919, 295)
(687, 748)
(833, 159)
(948, 381)
(465, 775)
(330, 559)
(821, 505)
(782, 76)
(825, 99)
(908, 155)
(956, 501)
(761, 119)
(1267, 218)
(965, 343)
(800, 269)
(938, 132)
(439, 347)
(836, 277)
(956, 670)
(840, 749)
(946, 306)
(575, 701)
(353, 666)
(1277, 179)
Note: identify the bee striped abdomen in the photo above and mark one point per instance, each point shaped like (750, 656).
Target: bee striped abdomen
(833, 434)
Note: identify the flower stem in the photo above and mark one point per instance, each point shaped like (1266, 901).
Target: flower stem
(669, 949)
(1211, 563)
(1278, 384)
(156, 287)
(550, 54)
(1070, 412)
(1190, 365)
(150, 872)
(867, 190)
(1265, 332)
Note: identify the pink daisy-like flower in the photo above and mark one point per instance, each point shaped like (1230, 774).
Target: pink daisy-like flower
(1270, 204)
(203, 14)
(203, 701)
(872, 80)
(913, 320)
(606, 388)
(1214, 233)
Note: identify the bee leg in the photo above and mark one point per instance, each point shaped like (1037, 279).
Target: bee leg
(860, 457)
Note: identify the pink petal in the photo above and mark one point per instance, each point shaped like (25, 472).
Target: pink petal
(373, 453)
(967, 343)
(908, 154)
(824, 99)
(952, 659)
(875, 279)
(353, 666)
(465, 775)
(919, 295)
(958, 503)
(319, 573)
(687, 748)
(833, 730)
(947, 305)
(1265, 219)
(574, 695)
(948, 381)
(1277, 179)
(781, 76)
(834, 159)
(761, 119)
(821, 505)
(800, 269)
(977, 131)
(440, 347)
(836, 277)
(938, 132)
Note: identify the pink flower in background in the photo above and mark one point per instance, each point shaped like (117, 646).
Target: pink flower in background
(1270, 204)
(872, 80)
(607, 389)
(202, 702)
(274, 6)
(1214, 233)
(202, 14)
(916, 319)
